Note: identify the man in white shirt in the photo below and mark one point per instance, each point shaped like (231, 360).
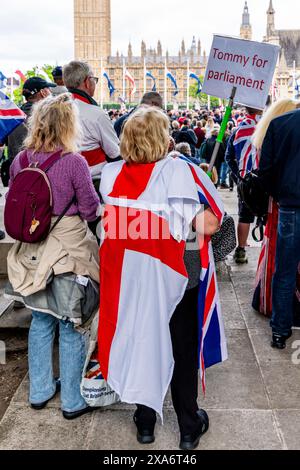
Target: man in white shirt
(100, 143)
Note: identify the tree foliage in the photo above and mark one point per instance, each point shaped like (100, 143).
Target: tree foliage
(43, 72)
(202, 97)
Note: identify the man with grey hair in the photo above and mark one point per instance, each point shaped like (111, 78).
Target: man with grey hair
(100, 143)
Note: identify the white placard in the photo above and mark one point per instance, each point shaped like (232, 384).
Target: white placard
(248, 65)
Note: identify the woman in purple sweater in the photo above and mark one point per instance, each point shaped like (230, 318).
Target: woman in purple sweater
(69, 248)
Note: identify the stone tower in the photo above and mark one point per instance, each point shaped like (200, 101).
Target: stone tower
(246, 28)
(270, 20)
(92, 22)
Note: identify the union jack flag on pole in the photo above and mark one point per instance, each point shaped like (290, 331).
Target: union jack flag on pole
(10, 116)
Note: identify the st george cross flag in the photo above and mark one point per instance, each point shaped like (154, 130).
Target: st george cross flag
(132, 81)
(146, 222)
(10, 116)
(246, 153)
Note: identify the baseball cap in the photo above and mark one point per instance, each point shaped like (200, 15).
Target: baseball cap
(57, 72)
(35, 84)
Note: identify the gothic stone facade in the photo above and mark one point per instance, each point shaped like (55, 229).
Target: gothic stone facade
(289, 42)
(93, 42)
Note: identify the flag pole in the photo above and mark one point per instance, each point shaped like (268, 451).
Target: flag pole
(294, 80)
(222, 131)
(188, 86)
(145, 84)
(166, 89)
(101, 83)
(208, 102)
(124, 89)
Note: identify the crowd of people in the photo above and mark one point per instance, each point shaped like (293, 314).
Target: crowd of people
(132, 180)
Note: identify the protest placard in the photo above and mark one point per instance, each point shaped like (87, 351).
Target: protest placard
(247, 65)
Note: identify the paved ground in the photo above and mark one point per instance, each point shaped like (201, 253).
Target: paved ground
(252, 399)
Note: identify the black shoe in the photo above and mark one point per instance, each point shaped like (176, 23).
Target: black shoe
(278, 341)
(69, 415)
(191, 441)
(224, 186)
(41, 406)
(240, 256)
(2, 235)
(145, 434)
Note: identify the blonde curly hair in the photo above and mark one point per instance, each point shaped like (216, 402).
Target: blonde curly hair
(54, 124)
(145, 138)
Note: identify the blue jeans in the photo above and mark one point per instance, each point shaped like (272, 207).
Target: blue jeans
(287, 260)
(224, 172)
(72, 354)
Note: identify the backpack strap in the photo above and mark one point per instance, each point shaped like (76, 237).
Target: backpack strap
(50, 161)
(25, 161)
(63, 214)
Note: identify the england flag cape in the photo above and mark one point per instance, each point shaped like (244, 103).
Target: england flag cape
(146, 222)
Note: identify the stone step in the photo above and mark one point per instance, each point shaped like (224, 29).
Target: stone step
(9, 316)
(5, 305)
(5, 246)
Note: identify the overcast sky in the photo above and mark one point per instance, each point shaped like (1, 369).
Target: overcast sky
(35, 32)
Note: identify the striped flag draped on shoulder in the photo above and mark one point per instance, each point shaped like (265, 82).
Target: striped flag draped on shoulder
(246, 153)
(10, 116)
(212, 348)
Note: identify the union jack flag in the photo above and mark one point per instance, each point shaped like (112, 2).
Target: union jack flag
(247, 155)
(212, 340)
(10, 116)
(93, 370)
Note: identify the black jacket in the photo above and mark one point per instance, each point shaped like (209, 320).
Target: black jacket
(187, 135)
(120, 123)
(280, 159)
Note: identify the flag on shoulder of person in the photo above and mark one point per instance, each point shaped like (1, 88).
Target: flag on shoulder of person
(10, 116)
(212, 340)
(247, 154)
(135, 306)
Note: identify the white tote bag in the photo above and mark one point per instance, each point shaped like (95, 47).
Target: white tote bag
(94, 389)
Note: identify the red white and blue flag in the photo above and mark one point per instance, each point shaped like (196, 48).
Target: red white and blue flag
(10, 116)
(246, 153)
(212, 340)
(148, 212)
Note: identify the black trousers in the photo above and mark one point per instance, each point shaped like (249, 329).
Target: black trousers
(184, 385)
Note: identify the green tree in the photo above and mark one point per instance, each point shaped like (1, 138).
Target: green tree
(34, 72)
(202, 97)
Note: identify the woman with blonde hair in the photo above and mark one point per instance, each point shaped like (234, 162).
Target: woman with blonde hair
(262, 299)
(149, 286)
(56, 276)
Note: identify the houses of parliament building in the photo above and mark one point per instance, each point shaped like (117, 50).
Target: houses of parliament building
(93, 43)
